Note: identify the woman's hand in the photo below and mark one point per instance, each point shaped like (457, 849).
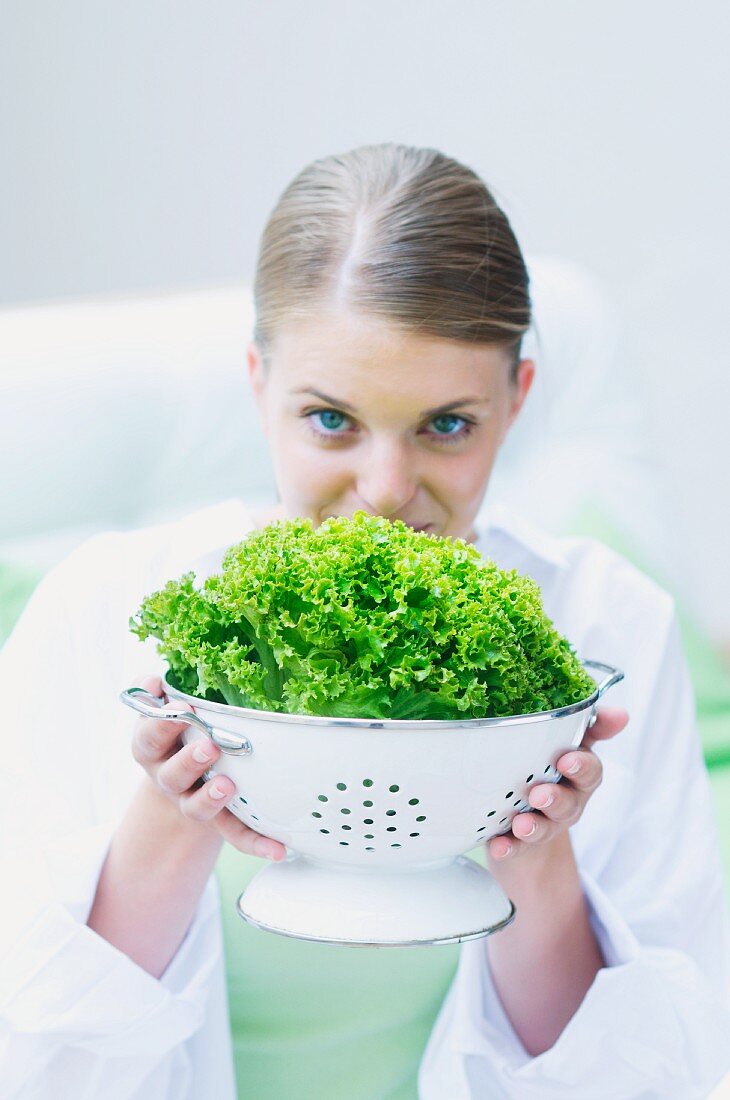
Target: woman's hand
(177, 770)
(560, 805)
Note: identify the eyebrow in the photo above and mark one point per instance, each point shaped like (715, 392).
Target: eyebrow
(427, 412)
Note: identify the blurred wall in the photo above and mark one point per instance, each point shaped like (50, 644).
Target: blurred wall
(144, 144)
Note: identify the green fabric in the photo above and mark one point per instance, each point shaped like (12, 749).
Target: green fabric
(319, 1022)
(16, 585)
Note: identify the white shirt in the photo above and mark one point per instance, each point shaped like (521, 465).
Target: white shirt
(79, 1018)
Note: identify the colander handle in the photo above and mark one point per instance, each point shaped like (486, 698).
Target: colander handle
(137, 697)
(613, 675)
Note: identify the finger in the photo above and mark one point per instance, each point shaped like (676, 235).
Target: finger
(531, 828)
(248, 840)
(205, 802)
(153, 684)
(527, 830)
(559, 802)
(154, 739)
(609, 722)
(185, 767)
(556, 804)
(611, 719)
(583, 768)
(511, 846)
(502, 847)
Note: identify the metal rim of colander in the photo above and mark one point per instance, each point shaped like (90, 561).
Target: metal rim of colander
(479, 934)
(613, 676)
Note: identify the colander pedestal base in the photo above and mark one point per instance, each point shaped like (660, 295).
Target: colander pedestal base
(363, 907)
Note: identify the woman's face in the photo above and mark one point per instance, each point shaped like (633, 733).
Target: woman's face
(361, 415)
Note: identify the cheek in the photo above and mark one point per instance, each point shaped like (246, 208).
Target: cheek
(306, 475)
(462, 478)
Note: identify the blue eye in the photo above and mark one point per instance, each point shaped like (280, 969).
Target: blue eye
(333, 424)
(448, 424)
(330, 419)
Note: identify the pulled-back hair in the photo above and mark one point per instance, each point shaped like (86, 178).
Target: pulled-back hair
(399, 233)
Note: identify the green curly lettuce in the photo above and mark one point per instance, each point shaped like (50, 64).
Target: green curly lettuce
(363, 618)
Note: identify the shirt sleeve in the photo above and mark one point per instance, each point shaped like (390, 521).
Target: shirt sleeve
(654, 1023)
(67, 994)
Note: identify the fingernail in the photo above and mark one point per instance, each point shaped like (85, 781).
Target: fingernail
(543, 800)
(202, 752)
(216, 790)
(532, 829)
(506, 852)
(574, 768)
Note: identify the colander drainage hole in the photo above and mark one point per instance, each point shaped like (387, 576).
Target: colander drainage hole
(395, 845)
(547, 769)
(421, 818)
(341, 786)
(529, 779)
(367, 782)
(368, 821)
(322, 798)
(390, 813)
(491, 813)
(509, 794)
(502, 820)
(242, 799)
(348, 827)
(344, 843)
(414, 834)
(394, 789)
(315, 814)
(344, 810)
(254, 817)
(369, 836)
(324, 830)
(391, 829)
(369, 849)
(367, 803)
(413, 801)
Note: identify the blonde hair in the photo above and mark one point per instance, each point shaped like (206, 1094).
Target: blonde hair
(395, 232)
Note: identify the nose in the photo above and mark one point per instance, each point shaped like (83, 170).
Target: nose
(388, 478)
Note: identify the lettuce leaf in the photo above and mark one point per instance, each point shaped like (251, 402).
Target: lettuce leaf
(363, 618)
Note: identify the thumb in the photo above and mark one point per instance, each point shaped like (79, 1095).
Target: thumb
(609, 722)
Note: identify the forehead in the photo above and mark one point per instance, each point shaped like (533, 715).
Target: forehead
(360, 356)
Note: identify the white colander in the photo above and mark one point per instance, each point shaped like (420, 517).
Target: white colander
(377, 814)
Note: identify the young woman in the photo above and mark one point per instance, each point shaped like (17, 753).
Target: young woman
(391, 301)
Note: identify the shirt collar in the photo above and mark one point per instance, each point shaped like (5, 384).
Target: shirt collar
(513, 542)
